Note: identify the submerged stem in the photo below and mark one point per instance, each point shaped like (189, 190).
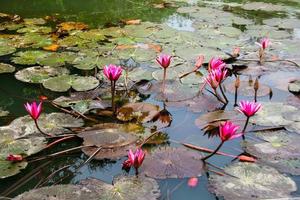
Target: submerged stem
(245, 127)
(164, 80)
(214, 152)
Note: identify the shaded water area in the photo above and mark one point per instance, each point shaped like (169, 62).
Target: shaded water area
(132, 34)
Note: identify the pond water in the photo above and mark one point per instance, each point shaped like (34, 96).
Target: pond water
(182, 28)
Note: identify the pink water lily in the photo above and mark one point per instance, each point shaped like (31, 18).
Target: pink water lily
(215, 77)
(216, 64)
(134, 159)
(227, 131)
(193, 182)
(265, 43)
(249, 108)
(14, 158)
(164, 60)
(112, 72)
(34, 109)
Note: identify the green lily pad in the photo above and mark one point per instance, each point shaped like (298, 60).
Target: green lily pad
(56, 59)
(172, 163)
(171, 74)
(65, 82)
(294, 86)
(8, 168)
(3, 113)
(35, 29)
(272, 114)
(11, 26)
(38, 74)
(6, 68)
(34, 21)
(115, 140)
(129, 188)
(28, 57)
(6, 50)
(36, 40)
(53, 123)
(283, 23)
(140, 73)
(278, 149)
(251, 181)
(267, 7)
(125, 187)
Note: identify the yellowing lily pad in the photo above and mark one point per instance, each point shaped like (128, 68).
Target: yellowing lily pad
(28, 57)
(6, 68)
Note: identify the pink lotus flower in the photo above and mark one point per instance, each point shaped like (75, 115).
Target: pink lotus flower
(14, 158)
(112, 72)
(227, 131)
(34, 109)
(193, 182)
(136, 158)
(249, 108)
(164, 60)
(264, 43)
(216, 64)
(215, 78)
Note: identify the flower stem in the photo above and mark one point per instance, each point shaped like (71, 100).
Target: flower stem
(214, 152)
(218, 97)
(42, 132)
(113, 83)
(136, 171)
(245, 127)
(255, 96)
(261, 56)
(164, 80)
(235, 96)
(223, 93)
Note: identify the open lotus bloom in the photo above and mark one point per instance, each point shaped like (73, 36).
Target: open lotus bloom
(193, 182)
(227, 131)
(264, 43)
(216, 64)
(249, 108)
(164, 60)
(34, 109)
(112, 72)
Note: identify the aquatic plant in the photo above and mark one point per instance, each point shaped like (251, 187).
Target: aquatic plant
(264, 44)
(112, 73)
(164, 61)
(134, 160)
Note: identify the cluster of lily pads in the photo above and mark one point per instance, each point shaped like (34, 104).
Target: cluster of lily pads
(133, 47)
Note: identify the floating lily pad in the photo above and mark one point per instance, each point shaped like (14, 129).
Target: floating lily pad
(203, 103)
(38, 74)
(6, 68)
(172, 163)
(8, 168)
(171, 74)
(278, 149)
(56, 59)
(142, 112)
(268, 7)
(28, 57)
(35, 29)
(65, 82)
(272, 114)
(5, 50)
(124, 187)
(36, 40)
(247, 88)
(59, 192)
(69, 26)
(251, 181)
(34, 21)
(115, 140)
(294, 86)
(53, 123)
(283, 23)
(216, 117)
(3, 112)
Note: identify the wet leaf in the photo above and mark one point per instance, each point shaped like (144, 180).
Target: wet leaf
(65, 82)
(8, 168)
(3, 113)
(28, 57)
(69, 26)
(6, 50)
(142, 112)
(53, 123)
(272, 114)
(279, 149)
(6, 68)
(38, 74)
(56, 59)
(172, 163)
(294, 86)
(251, 181)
